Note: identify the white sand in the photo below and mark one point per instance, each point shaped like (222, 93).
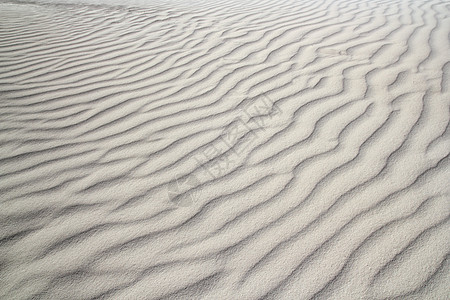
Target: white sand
(225, 150)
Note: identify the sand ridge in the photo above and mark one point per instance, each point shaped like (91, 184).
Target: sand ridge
(215, 150)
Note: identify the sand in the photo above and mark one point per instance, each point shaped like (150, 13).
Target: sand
(224, 150)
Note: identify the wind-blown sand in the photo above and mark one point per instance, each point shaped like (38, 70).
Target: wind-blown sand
(225, 150)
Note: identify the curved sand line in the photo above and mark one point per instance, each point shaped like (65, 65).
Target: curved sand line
(215, 150)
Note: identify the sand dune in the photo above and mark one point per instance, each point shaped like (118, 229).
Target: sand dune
(222, 150)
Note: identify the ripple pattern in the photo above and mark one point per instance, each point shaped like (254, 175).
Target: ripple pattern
(190, 150)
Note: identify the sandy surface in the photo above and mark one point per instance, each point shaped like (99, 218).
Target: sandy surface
(222, 150)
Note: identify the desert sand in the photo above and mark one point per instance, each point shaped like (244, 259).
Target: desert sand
(225, 149)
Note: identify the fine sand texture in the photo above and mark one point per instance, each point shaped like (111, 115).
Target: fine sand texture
(225, 149)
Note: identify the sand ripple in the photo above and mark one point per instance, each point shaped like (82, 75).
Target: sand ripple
(276, 150)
